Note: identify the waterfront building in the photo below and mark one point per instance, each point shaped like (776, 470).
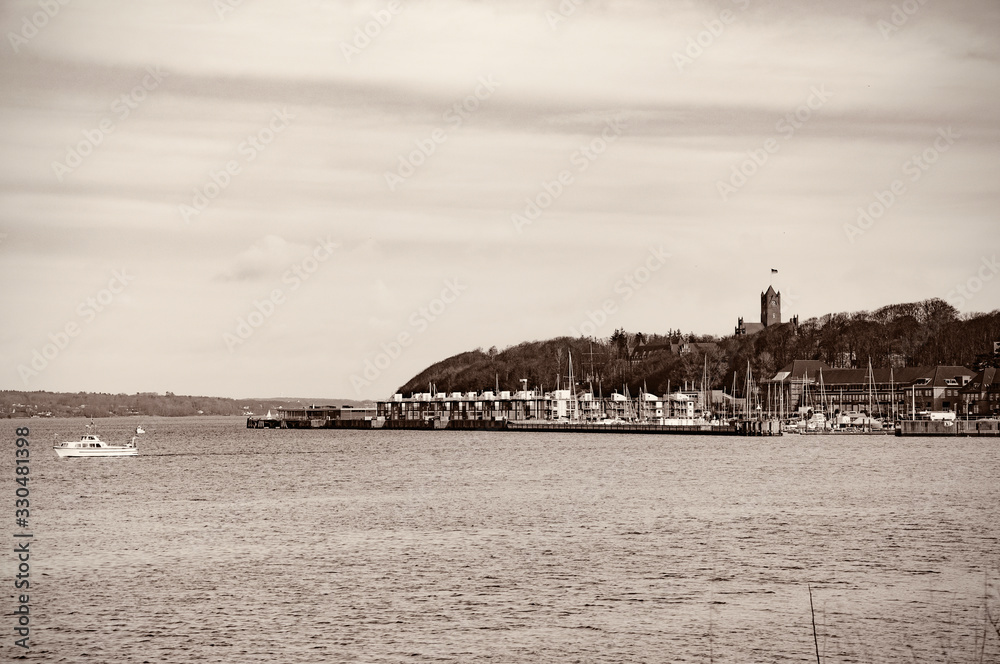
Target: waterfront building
(591, 409)
(618, 407)
(680, 406)
(520, 405)
(651, 407)
(312, 417)
(981, 396)
(526, 405)
(648, 351)
(810, 384)
(561, 406)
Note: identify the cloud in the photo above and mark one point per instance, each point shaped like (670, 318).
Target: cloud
(266, 257)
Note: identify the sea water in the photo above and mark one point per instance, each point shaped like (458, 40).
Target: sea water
(222, 544)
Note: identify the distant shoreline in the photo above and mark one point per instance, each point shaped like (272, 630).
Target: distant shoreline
(46, 405)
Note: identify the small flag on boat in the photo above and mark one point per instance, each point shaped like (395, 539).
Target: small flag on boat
(140, 430)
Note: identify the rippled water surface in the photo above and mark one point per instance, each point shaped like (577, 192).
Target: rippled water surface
(222, 544)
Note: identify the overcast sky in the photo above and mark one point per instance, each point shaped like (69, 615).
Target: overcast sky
(254, 198)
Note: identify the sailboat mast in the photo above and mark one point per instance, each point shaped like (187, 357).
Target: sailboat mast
(572, 388)
(734, 392)
(805, 388)
(892, 394)
(822, 391)
(747, 390)
(704, 388)
(870, 379)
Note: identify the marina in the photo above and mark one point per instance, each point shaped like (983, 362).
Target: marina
(780, 407)
(522, 411)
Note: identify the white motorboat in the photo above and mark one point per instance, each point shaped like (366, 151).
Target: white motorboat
(91, 445)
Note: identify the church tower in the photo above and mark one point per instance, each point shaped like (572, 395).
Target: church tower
(770, 307)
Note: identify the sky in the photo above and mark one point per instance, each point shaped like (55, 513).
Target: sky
(305, 198)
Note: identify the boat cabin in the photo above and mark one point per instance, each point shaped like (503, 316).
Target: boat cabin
(89, 440)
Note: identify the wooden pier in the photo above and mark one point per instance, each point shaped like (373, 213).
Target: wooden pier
(949, 428)
(744, 428)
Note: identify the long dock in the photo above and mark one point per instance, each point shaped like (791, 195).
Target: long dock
(739, 428)
(743, 428)
(949, 428)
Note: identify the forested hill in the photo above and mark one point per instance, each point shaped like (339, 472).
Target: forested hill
(915, 334)
(92, 404)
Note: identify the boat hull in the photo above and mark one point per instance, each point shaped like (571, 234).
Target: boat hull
(68, 452)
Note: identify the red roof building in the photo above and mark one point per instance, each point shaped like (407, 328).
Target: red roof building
(811, 384)
(981, 397)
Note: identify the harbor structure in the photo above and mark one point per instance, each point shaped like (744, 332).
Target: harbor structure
(316, 417)
(981, 396)
(523, 410)
(680, 407)
(561, 410)
(892, 392)
(926, 426)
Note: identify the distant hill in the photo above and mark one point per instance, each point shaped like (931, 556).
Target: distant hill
(92, 404)
(923, 333)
